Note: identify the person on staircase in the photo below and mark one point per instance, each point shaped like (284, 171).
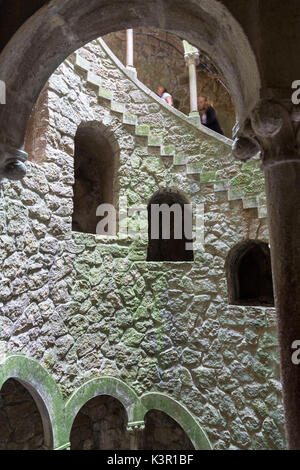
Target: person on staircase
(165, 95)
(208, 115)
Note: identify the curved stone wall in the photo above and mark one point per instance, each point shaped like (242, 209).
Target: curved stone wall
(85, 306)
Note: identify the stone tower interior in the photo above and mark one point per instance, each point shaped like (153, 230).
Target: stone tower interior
(112, 338)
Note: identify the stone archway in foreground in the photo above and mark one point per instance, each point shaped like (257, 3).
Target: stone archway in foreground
(59, 28)
(36, 381)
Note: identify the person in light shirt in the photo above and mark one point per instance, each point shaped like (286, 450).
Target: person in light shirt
(165, 95)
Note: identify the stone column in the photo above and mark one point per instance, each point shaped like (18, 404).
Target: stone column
(274, 127)
(135, 431)
(129, 53)
(191, 56)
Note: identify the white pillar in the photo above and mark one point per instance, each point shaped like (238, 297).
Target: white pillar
(129, 48)
(191, 61)
(191, 56)
(129, 53)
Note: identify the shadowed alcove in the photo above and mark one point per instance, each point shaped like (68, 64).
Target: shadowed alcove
(163, 433)
(101, 425)
(95, 165)
(21, 426)
(169, 227)
(249, 274)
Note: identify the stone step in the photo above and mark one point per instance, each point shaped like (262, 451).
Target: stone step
(220, 186)
(142, 130)
(93, 79)
(130, 119)
(208, 177)
(194, 168)
(234, 194)
(180, 160)
(117, 107)
(250, 202)
(168, 150)
(82, 63)
(155, 140)
(105, 94)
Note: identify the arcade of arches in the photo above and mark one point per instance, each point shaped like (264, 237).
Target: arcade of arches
(101, 424)
(201, 329)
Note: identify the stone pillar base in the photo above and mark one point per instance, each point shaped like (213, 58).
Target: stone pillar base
(132, 71)
(194, 118)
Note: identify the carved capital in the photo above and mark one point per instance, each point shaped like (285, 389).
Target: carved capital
(245, 148)
(191, 57)
(135, 427)
(12, 163)
(273, 128)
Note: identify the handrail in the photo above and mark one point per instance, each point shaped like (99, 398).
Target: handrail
(162, 103)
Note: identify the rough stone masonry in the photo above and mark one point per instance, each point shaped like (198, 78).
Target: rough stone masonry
(86, 306)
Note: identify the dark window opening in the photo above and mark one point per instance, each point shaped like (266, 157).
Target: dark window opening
(21, 426)
(95, 166)
(249, 275)
(101, 425)
(169, 227)
(163, 433)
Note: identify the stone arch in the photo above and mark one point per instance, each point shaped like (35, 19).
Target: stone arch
(161, 402)
(101, 424)
(57, 29)
(163, 433)
(96, 161)
(35, 142)
(43, 390)
(104, 386)
(172, 249)
(249, 274)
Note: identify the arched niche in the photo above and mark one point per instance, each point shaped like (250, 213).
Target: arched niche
(183, 417)
(170, 221)
(96, 160)
(249, 274)
(101, 424)
(104, 386)
(163, 433)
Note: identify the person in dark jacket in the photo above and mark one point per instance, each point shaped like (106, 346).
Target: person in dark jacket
(209, 117)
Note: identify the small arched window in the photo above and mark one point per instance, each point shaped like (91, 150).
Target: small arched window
(169, 227)
(95, 176)
(249, 274)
